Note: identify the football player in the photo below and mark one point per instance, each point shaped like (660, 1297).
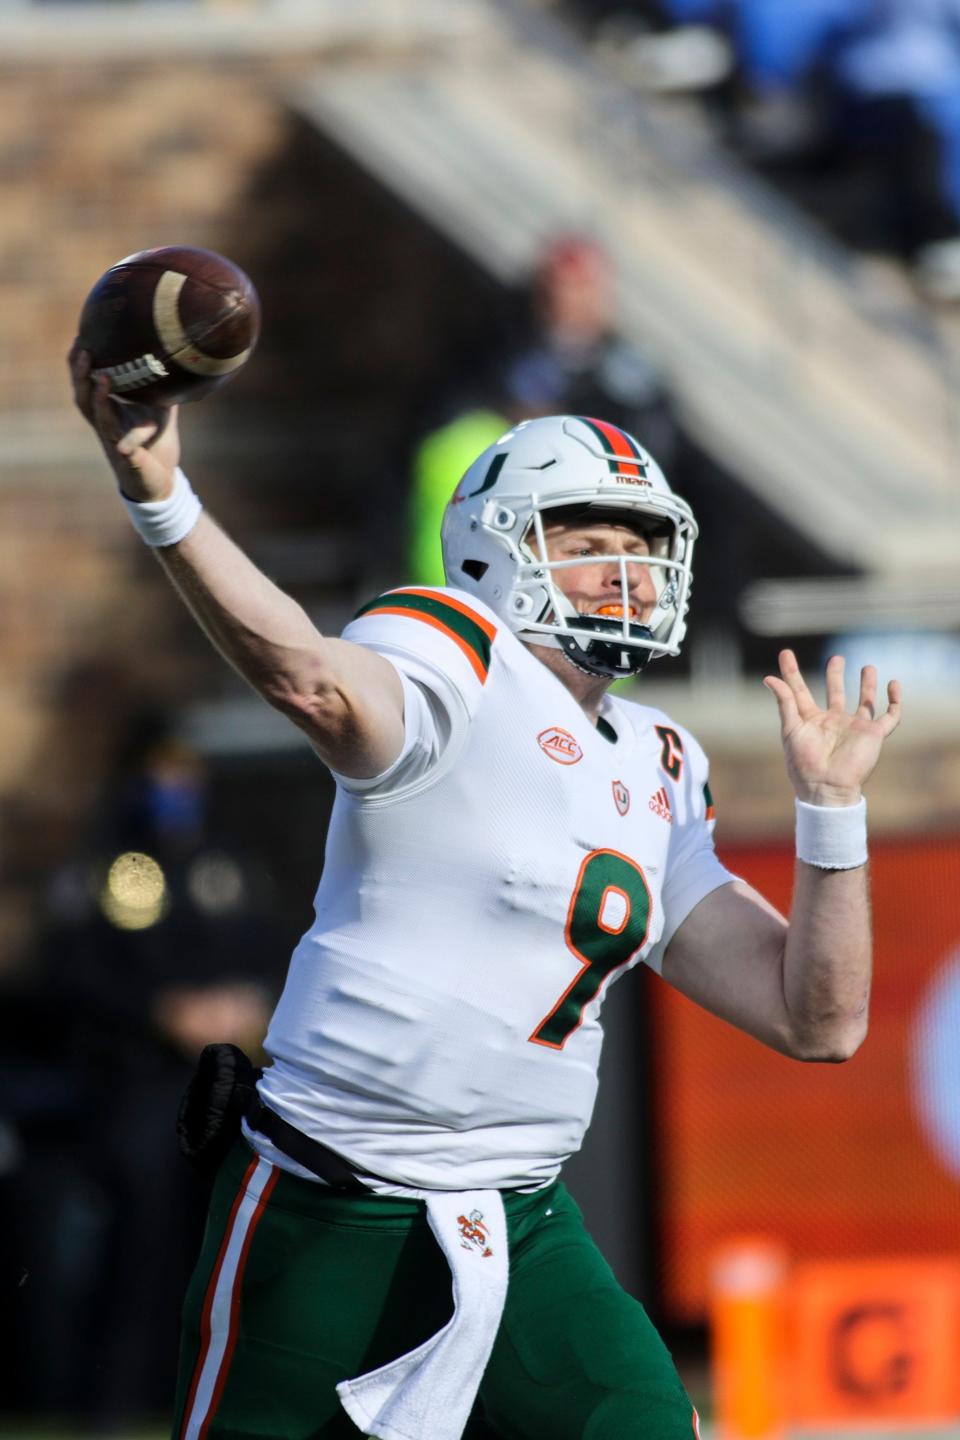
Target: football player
(390, 1250)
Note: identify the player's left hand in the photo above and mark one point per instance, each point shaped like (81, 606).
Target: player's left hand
(830, 752)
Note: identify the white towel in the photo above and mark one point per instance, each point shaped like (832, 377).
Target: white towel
(428, 1393)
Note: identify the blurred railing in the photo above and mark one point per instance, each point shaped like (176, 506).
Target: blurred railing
(224, 25)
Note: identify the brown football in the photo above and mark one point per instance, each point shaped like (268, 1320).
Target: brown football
(170, 324)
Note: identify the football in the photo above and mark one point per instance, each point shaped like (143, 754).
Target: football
(170, 324)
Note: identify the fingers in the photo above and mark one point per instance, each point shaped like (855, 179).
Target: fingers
(792, 678)
(867, 705)
(124, 426)
(111, 417)
(93, 397)
(833, 675)
(136, 437)
(868, 691)
(889, 722)
(835, 689)
(105, 416)
(796, 704)
(786, 703)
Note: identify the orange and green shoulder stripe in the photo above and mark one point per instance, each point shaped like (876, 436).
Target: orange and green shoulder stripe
(470, 631)
(711, 813)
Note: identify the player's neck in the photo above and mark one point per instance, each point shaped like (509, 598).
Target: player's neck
(587, 690)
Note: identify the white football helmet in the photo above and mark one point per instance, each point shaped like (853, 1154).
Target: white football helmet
(590, 467)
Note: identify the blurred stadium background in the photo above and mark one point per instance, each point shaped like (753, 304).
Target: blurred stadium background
(752, 212)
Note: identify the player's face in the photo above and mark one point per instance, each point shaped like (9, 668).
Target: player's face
(595, 587)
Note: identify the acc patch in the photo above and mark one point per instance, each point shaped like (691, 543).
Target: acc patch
(560, 745)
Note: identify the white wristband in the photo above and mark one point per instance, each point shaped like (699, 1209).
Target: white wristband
(832, 838)
(165, 522)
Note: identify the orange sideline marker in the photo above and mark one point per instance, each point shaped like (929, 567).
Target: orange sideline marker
(748, 1281)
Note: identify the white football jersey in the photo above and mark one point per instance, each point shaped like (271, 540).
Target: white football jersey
(440, 1024)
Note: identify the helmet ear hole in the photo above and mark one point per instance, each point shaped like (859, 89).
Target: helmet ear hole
(476, 569)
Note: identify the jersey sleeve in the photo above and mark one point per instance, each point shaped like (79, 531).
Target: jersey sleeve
(441, 643)
(425, 735)
(693, 869)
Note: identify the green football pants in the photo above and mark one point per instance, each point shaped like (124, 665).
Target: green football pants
(298, 1287)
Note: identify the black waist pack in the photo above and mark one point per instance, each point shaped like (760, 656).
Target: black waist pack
(213, 1104)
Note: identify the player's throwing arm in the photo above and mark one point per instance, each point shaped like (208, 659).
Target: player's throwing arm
(348, 700)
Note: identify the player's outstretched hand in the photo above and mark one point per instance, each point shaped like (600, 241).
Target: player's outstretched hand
(830, 752)
(140, 441)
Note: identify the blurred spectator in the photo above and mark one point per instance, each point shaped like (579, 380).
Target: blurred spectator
(878, 82)
(865, 93)
(561, 354)
(568, 356)
(898, 80)
(157, 940)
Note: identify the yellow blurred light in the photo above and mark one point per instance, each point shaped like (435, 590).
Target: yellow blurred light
(134, 896)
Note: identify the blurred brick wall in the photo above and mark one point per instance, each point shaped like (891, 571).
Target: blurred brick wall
(95, 162)
(360, 300)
